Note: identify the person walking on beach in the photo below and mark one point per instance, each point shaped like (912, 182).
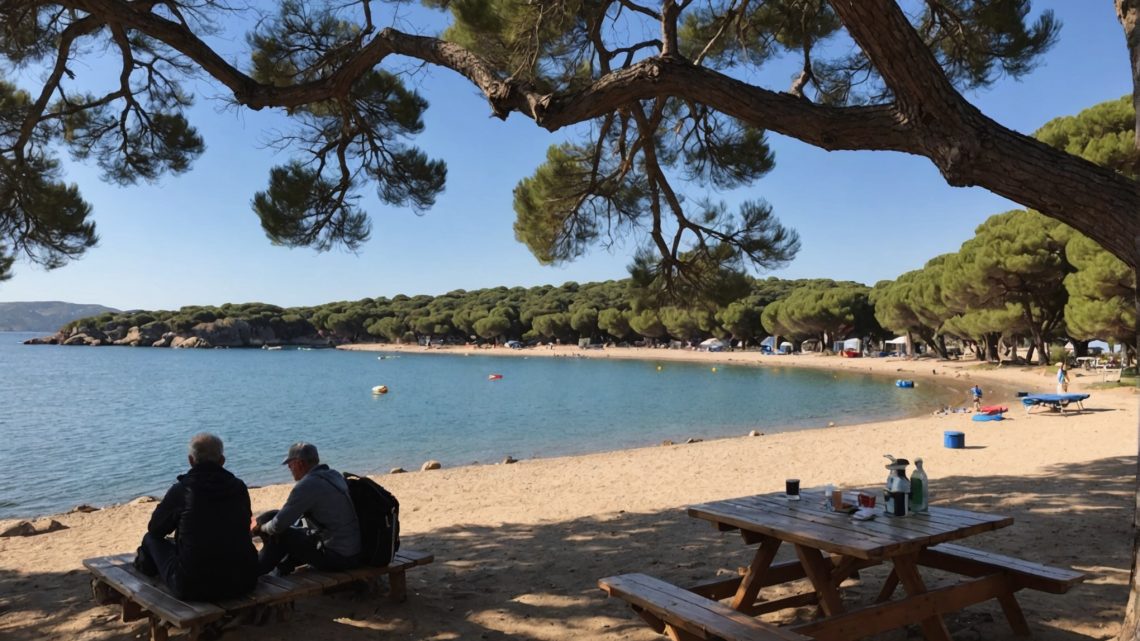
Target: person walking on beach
(211, 556)
(330, 536)
(1062, 378)
(976, 392)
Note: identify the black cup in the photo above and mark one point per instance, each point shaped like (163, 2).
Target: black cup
(792, 488)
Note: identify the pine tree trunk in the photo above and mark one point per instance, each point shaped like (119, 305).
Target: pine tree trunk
(1128, 11)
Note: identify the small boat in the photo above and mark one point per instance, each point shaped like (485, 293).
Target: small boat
(494, 377)
(992, 409)
(380, 389)
(904, 383)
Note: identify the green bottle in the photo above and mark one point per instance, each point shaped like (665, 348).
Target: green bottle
(919, 489)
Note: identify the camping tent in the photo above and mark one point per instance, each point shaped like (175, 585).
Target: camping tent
(786, 347)
(713, 345)
(900, 344)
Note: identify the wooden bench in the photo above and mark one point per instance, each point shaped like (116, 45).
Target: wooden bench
(685, 616)
(117, 581)
(1023, 574)
(1026, 574)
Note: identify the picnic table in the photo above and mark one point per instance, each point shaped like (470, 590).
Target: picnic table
(830, 547)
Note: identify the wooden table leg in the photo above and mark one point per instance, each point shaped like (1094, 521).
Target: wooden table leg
(752, 582)
(889, 586)
(906, 566)
(818, 569)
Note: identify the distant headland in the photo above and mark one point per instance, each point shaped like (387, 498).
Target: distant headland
(45, 316)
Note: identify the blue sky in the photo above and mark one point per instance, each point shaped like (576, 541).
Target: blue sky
(863, 216)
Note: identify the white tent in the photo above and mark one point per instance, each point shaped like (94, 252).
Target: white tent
(901, 343)
(713, 344)
(786, 347)
(853, 343)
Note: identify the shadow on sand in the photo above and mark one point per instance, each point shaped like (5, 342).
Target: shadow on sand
(539, 581)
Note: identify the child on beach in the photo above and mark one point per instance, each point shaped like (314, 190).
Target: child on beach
(976, 392)
(1062, 378)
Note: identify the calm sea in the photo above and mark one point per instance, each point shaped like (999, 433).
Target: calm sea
(105, 425)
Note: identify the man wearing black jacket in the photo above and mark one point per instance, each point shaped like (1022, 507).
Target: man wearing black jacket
(212, 556)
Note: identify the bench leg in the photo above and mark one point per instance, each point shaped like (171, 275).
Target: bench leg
(655, 623)
(132, 611)
(1013, 614)
(398, 587)
(104, 594)
(677, 634)
(158, 630)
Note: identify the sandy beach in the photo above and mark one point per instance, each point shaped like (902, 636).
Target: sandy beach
(519, 548)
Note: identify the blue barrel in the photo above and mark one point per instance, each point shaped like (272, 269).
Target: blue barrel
(954, 440)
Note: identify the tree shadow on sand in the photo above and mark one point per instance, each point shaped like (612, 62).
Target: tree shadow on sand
(540, 581)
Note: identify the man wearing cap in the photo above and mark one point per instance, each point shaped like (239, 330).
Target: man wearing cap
(330, 538)
(207, 509)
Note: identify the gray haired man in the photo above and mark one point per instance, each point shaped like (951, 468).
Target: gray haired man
(329, 538)
(207, 509)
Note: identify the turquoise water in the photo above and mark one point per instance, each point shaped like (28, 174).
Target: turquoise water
(104, 425)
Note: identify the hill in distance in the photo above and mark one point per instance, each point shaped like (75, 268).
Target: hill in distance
(44, 316)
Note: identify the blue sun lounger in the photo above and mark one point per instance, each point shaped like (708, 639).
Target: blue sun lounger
(1053, 401)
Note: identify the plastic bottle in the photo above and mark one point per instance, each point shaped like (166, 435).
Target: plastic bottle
(919, 488)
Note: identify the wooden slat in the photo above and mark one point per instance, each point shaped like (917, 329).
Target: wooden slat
(935, 523)
(149, 593)
(806, 523)
(690, 612)
(873, 619)
(180, 613)
(794, 528)
(1027, 574)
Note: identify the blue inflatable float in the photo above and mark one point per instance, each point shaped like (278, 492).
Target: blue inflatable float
(988, 417)
(902, 383)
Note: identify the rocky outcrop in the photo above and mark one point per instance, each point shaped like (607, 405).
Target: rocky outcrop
(223, 332)
(226, 332)
(189, 342)
(146, 335)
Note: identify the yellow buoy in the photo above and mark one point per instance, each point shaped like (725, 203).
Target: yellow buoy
(658, 368)
(714, 369)
(380, 389)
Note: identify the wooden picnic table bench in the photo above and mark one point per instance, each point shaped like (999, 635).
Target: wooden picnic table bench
(686, 615)
(830, 547)
(115, 580)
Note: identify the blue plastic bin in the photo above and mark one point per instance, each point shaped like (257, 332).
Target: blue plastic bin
(954, 440)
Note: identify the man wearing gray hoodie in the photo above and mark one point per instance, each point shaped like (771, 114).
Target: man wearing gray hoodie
(329, 537)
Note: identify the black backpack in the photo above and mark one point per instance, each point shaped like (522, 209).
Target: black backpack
(379, 515)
